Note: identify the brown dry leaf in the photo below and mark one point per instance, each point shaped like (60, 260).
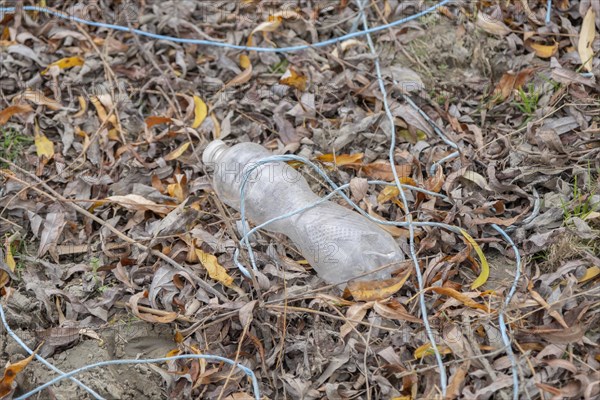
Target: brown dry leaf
(137, 203)
(178, 152)
(166, 318)
(38, 98)
(510, 82)
(375, 290)
(398, 312)
(392, 192)
(382, 170)
(341, 159)
(542, 50)
(467, 301)
(492, 25)
(179, 189)
(354, 315)
(294, 79)
(200, 112)
(268, 26)
(456, 380)
(244, 76)
(552, 312)
(11, 372)
(393, 230)
(155, 120)
(65, 63)
(14, 110)
(214, 269)
(586, 39)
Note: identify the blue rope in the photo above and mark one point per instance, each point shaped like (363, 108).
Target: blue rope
(212, 43)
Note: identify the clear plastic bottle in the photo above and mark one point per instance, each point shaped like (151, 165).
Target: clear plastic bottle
(339, 243)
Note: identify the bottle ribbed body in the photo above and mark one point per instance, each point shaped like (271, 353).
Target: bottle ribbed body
(339, 243)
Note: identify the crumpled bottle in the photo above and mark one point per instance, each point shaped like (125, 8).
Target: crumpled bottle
(339, 244)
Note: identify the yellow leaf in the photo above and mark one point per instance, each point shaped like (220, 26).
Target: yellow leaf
(542, 50)
(586, 38)
(293, 79)
(485, 268)
(200, 112)
(427, 350)
(341, 159)
(375, 290)
(245, 61)
(11, 372)
(175, 154)
(590, 273)
(391, 192)
(214, 269)
(10, 261)
(43, 146)
(65, 63)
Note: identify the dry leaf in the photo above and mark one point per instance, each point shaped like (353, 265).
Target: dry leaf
(382, 170)
(214, 269)
(9, 259)
(138, 203)
(455, 294)
(153, 121)
(398, 312)
(166, 318)
(268, 26)
(427, 350)
(491, 25)
(375, 290)
(65, 63)
(586, 39)
(590, 273)
(542, 50)
(11, 372)
(44, 147)
(37, 97)
(14, 110)
(341, 159)
(175, 154)
(200, 112)
(294, 79)
(354, 315)
(485, 268)
(243, 77)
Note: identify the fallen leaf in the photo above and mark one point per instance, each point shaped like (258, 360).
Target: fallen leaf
(214, 269)
(553, 313)
(375, 290)
(354, 315)
(9, 259)
(166, 318)
(175, 154)
(65, 63)
(293, 79)
(200, 112)
(268, 26)
(397, 312)
(14, 110)
(341, 159)
(590, 273)
(37, 97)
(586, 39)
(427, 350)
(245, 61)
(11, 372)
(455, 294)
(154, 120)
(243, 77)
(383, 170)
(542, 50)
(485, 268)
(138, 203)
(44, 147)
(491, 25)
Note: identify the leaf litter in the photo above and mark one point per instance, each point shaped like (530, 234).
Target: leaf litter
(117, 125)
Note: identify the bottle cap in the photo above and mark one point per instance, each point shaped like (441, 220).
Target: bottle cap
(213, 151)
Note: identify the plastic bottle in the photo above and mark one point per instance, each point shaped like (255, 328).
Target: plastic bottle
(339, 243)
